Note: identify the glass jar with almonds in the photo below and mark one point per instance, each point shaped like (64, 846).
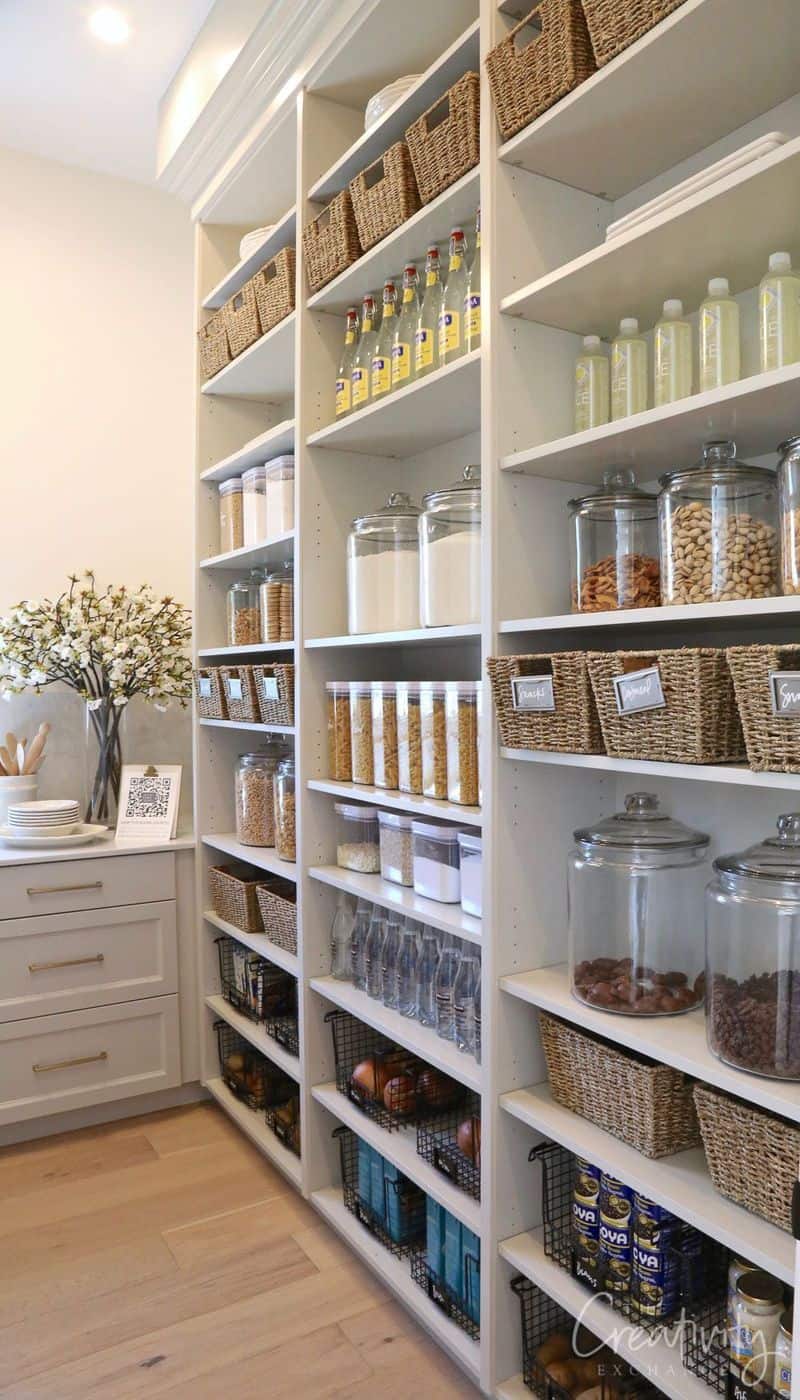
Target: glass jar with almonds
(614, 546)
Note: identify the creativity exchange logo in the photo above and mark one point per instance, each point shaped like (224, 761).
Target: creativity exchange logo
(656, 1350)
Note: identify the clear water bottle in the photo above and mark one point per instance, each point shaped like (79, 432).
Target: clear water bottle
(427, 964)
(373, 964)
(467, 980)
(445, 978)
(477, 1005)
(341, 932)
(390, 961)
(358, 944)
(407, 960)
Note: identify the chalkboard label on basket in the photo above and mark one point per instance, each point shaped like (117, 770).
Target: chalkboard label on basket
(737, 1389)
(269, 685)
(784, 689)
(639, 690)
(234, 687)
(533, 693)
(204, 687)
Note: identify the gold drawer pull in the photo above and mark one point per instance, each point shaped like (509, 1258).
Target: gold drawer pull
(69, 1064)
(66, 962)
(64, 889)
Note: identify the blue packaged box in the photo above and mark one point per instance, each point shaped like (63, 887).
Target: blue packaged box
(400, 1197)
(378, 1192)
(453, 1255)
(365, 1156)
(471, 1248)
(434, 1218)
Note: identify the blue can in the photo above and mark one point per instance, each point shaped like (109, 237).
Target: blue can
(616, 1234)
(653, 1226)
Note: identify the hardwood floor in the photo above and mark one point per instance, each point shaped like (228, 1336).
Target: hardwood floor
(163, 1256)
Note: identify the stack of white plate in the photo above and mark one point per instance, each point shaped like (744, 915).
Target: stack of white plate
(380, 102)
(55, 817)
(253, 240)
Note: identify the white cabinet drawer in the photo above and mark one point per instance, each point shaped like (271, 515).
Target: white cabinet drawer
(59, 886)
(56, 1063)
(66, 962)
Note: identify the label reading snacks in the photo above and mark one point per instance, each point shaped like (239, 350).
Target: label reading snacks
(269, 686)
(204, 687)
(639, 690)
(234, 687)
(533, 693)
(784, 688)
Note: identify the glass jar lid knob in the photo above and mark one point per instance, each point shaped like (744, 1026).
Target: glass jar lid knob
(719, 450)
(788, 830)
(618, 479)
(641, 803)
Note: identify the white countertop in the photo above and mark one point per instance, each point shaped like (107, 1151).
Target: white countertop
(105, 846)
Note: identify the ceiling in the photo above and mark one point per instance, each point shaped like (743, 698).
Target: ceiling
(68, 97)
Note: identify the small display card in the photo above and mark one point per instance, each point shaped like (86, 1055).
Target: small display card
(270, 687)
(784, 687)
(639, 690)
(148, 801)
(204, 687)
(533, 693)
(234, 687)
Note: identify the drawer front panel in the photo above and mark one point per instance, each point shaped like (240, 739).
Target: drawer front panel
(56, 1063)
(66, 962)
(61, 886)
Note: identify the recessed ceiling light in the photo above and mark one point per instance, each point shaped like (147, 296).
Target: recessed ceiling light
(109, 25)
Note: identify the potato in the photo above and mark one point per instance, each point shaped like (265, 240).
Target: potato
(555, 1348)
(364, 1077)
(399, 1096)
(235, 1063)
(468, 1138)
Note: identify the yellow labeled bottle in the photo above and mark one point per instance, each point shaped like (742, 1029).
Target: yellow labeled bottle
(403, 360)
(779, 313)
(720, 359)
(426, 342)
(451, 324)
(472, 296)
(672, 355)
(591, 385)
(362, 363)
(343, 401)
(381, 376)
(628, 370)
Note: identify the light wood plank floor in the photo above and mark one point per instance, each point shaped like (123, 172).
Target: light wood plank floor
(163, 1256)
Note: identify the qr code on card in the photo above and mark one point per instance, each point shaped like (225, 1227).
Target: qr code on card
(148, 797)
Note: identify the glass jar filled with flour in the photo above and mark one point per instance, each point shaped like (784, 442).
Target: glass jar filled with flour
(450, 553)
(383, 568)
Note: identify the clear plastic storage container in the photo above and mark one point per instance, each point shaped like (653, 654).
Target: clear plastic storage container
(636, 883)
(433, 738)
(361, 732)
(437, 867)
(244, 610)
(231, 516)
(277, 604)
(340, 759)
(285, 838)
(718, 525)
(450, 553)
(409, 737)
(384, 734)
(471, 854)
(279, 484)
(753, 955)
(383, 568)
(614, 546)
(255, 506)
(357, 846)
(397, 851)
(255, 802)
(462, 713)
(789, 510)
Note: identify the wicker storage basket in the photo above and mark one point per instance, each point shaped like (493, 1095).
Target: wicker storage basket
(277, 900)
(526, 81)
(614, 24)
(233, 896)
(330, 242)
(699, 722)
(384, 195)
(752, 1156)
(212, 340)
(209, 693)
(275, 708)
(274, 288)
(241, 318)
(240, 693)
(444, 143)
(646, 1104)
(572, 727)
(772, 740)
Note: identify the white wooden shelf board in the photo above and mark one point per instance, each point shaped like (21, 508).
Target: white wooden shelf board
(265, 371)
(273, 442)
(674, 1040)
(443, 406)
(658, 1360)
(257, 1036)
(401, 1149)
(450, 918)
(273, 552)
(253, 1125)
(247, 725)
(428, 636)
(283, 233)
(734, 774)
(442, 1054)
(431, 223)
(733, 225)
(264, 857)
(258, 649)
(258, 942)
(399, 801)
(758, 412)
(396, 1275)
(680, 1183)
(747, 611)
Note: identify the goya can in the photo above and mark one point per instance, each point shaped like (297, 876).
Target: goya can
(585, 1221)
(616, 1233)
(653, 1226)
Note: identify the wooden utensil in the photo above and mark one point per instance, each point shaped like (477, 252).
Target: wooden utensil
(9, 763)
(20, 756)
(35, 752)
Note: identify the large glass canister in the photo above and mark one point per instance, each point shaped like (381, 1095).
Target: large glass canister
(383, 568)
(753, 955)
(255, 805)
(450, 553)
(789, 511)
(636, 883)
(284, 790)
(614, 546)
(244, 612)
(718, 524)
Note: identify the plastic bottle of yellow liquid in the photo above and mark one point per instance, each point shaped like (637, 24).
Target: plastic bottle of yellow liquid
(779, 313)
(672, 355)
(628, 370)
(720, 358)
(591, 385)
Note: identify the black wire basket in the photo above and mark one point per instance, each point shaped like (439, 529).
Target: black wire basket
(283, 1117)
(260, 991)
(440, 1292)
(392, 1086)
(705, 1347)
(249, 1074)
(438, 1143)
(390, 1206)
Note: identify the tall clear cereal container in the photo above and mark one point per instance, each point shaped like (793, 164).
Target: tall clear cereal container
(718, 524)
(384, 734)
(255, 808)
(789, 510)
(340, 760)
(255, 506)
(361, 732)
(409, 737)
(470, 845)
(635, 893)
(433, 738)
(753, 955)
(287, 601)
(285, 839)
(397, 848)
(614, 546)
(279, 484)
(383, 568)
(461, 721)
(231, 518)
(450, 553)
(244, 610)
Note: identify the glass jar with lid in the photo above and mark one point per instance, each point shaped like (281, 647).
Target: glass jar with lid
(244, 613)
(450, 553)
(231, 520)
(636, 883)
(789, 512)
(276, 603)
(383, 568)
(283, 784)
(753, 955)
(718, 530)
(255, 808)
(614, 546)
(279, 485)
(757, 1311)
(255, 506)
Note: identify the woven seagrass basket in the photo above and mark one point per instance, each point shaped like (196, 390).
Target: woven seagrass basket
(276, 699)
(330, 242)
(572, 727)
(614, 24)
(444, 143)
(772, 740)
(274, 289)
(384, 195)
(212, 341)
(209, 693)
(527, 78)
(233, 896)
(752, 1156)
(240, 693)
(241, 318)
(277, 901)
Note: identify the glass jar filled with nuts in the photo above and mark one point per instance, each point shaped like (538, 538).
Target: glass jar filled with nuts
(614, 546)
(255, 812)
(284, 788)
(244, 615)
(718, 524)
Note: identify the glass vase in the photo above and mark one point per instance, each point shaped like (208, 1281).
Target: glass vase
(105, 730)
